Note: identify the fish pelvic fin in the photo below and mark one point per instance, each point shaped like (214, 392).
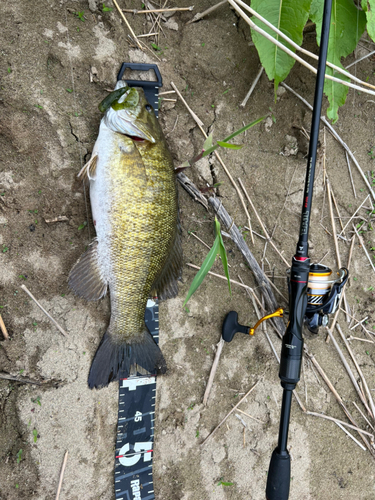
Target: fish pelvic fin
(85, 278)
(115, 359)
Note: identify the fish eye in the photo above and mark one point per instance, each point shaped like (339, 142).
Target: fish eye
(148, 107)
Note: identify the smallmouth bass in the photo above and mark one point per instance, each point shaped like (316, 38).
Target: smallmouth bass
(137, 249)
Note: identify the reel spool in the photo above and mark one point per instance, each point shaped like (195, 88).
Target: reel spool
(323, 295)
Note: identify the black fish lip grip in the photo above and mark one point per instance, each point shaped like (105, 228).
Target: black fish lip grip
(151, 88)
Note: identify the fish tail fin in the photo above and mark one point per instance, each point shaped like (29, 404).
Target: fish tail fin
(114, 359)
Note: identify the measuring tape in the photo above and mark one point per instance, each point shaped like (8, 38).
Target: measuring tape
(137, 394)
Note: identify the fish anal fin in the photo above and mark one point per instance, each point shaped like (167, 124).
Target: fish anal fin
(85, 278)
(88, 171)
(166, 283)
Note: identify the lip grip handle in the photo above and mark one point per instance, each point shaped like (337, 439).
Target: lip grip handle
(141, 67)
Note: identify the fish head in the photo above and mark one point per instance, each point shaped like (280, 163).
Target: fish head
(128, 112)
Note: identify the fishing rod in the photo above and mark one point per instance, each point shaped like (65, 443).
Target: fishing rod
(278, 479)
(313, 295)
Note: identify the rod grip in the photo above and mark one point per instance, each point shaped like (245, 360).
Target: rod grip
(278, 480)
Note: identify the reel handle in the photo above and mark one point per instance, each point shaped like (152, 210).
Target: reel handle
(231, 326)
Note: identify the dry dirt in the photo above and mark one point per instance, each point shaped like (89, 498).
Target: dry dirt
(48, 125)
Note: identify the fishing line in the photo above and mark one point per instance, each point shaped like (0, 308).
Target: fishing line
(79, 144)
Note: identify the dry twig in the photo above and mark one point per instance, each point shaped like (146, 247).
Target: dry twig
(213, 371)
(3, 328)
(45, 312)
(232, 410)
(350, 173)
(367, 390)
(330, 196)
(338, 398)
(128, 25)
(200, 16)
(336, 136)
(153, 11)
(253, 85)
(355, 213)
(61, 475)
(364, 247)
(348, 369)
(262, 225)
(351, 436)
(22, 380)
(314, 414)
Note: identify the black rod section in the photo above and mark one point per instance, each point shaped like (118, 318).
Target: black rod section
(284, 419)
(278, 480)
(302, 246)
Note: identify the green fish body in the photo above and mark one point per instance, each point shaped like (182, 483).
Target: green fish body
(137, 248)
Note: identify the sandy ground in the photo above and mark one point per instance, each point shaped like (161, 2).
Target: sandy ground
(48, 125)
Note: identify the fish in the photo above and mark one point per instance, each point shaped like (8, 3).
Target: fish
(137, 249)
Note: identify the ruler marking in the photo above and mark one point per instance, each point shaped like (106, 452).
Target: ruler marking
(133, 473)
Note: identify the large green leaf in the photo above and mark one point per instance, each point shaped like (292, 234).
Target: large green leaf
(290, 17)
(369, 7)
(347, 25)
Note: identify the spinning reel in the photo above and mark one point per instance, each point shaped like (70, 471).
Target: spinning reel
(323, 297)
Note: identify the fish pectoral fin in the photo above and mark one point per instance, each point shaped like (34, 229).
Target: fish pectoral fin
(85, 278)
(166, 283)
(88, 171)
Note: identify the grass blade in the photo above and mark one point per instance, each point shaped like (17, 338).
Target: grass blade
(243, 129)
(224, 260)
(206, 266)
(230, 146)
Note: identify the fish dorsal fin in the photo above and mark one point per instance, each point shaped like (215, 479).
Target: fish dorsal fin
(85, 278)
(166, 284)
(88, 171)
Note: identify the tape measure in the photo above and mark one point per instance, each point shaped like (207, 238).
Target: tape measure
(137, 394)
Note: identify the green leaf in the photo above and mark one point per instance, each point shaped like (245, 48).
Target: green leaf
(223, 255)
(80, 15)
(289, 17)
(369, 7)
(207, 143)
(347, 26)
(206, 266)
(230, 146)
(243, 129)
(106, 9)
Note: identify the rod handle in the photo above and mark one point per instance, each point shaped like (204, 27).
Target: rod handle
(278, 480)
